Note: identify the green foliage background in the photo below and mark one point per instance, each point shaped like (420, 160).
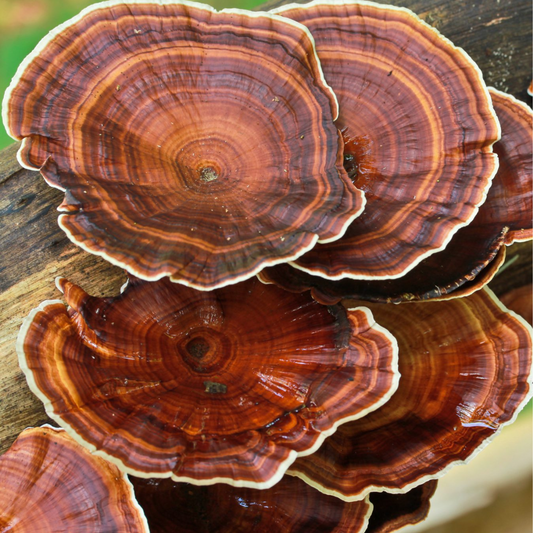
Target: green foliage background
(25, 22)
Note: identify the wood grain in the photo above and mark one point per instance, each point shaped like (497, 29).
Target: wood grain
(496, 33)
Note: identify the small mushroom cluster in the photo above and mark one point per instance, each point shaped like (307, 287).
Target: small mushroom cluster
(344, 152)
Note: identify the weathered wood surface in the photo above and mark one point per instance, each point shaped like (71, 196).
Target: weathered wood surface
(496, 33)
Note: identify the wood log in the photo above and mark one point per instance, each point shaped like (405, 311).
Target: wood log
(497, 35)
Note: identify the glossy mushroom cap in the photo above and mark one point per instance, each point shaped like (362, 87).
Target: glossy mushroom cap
(190, 143)
(289, 506)
(418, 127)
(466, 372)
(476, 252)
(52, 484)
(223, 386)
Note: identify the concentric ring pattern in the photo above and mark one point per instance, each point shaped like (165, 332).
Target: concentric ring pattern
(189, 142)
(418, 127)
(205, 386)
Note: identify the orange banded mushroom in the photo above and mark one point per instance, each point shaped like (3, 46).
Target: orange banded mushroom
(475, 252)
(52, 484)
(290, 506)
(466, 372)
(189, 143)
(222, 386)
(418, 127)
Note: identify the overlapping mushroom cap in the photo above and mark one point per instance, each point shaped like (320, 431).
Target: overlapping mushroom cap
(475, 252)
(511, 196)
(466, 371)
(289, 506)
(189, 142)
(418, 128)
(221, 386)
(52, 484)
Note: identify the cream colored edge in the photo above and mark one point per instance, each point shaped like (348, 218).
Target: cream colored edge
(366, 518)
(468, 59)
(438, 475)
(512, 99)
(361, 194)
(282, 467)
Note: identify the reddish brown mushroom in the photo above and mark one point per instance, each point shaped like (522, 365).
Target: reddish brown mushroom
(475, 252)
(418, 128)
(52, 484)
(289, 506)
(189, 142)
(520, 300)
(394, 511)
(466, 372)
(222, 386)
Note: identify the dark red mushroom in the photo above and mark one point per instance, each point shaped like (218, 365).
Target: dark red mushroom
(222, 386)
(189, 143)
(466, 372)
(51, 484)
(418, 127)
(476, 252)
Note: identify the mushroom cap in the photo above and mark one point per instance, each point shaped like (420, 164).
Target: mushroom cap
(52, 484)
(511, 196)
(394, 511)
(466, 372)
(441, 276)
(222, 386)
(475, 252)
(189, 143)
(418, 127)
(291, 505)
(520, 300)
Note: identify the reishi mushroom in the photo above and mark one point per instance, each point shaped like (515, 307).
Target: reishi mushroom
(52, 484)
(475, 253)
(418, 128)
(189, 143)
(224, 386)
(466, 372)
